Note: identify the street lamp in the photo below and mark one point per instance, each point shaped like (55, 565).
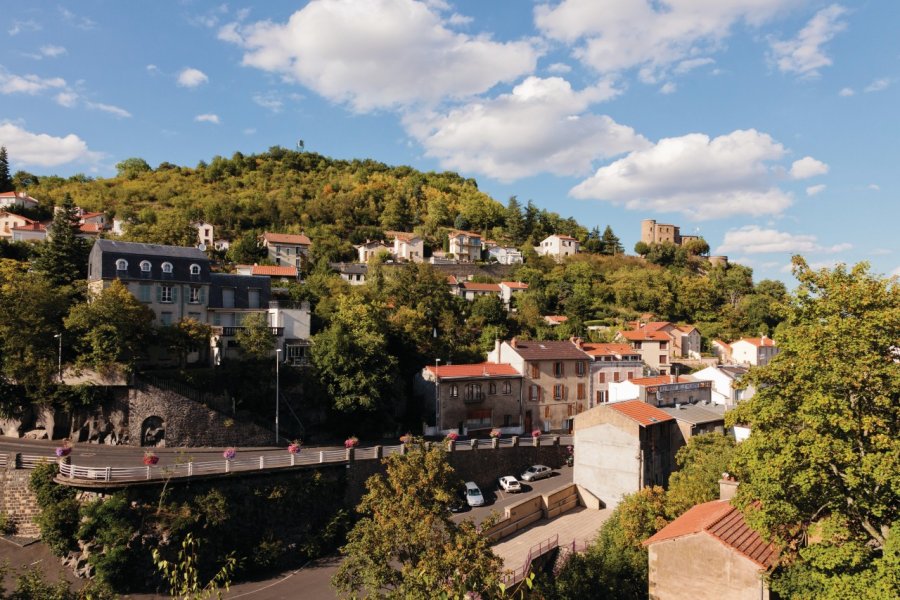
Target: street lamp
(437, 388)
(59, 358)
(277, 390)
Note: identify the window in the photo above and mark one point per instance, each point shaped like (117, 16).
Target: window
(492, 388)
(579, 368)
(166, 294)
(663, 345)
(559, 369)
(165, 318)
(582, 394)
(507, 420)
(145, 266)
(535, 370)
(662, 359)
(616, 376)
(601, 397)
(473, 392)
(227, 297)
(559, 392)
(253, 298)
(507, 388)
(601, 377)
(167, 268)
(454, 391)
(534, 393)
(144, 293)
(630, 375)
(195, 296)
(637, 345)
(121, 265)
(195, 269)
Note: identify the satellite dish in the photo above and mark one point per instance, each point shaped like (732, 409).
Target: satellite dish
(201, 247)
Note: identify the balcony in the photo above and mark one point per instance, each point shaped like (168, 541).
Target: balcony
(233, 331)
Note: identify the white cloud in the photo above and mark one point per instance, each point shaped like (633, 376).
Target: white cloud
(207, 118)
(878, 85)
(457, 20)
(686, 66)
(20, 26)
(67, 99)
(808, 167)
(191, 78)
(270, 100)
(874, 187)
(152, 68)
(668, 88)
(78, 21)
(804, 54)
(814, 190)
(697, 176)
(43, 150)
(250, 131)
(11, 83)
(846, 92)
(752, 239)
(109, 108)
(543, 125)
(51, 51)
(614, 36)
(559, 68)
(375, 54)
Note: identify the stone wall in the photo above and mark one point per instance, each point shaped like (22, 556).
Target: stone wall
(17, 501)
(189, 423)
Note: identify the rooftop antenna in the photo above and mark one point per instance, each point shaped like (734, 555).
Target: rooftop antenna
(300, 145)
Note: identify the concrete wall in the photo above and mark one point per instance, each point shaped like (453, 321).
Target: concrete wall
(17, 501)
(702, 568)
(607, 457)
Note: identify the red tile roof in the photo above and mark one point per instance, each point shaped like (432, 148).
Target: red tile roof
(686, 328)
(91, 215)
(757, 341)
(656, 325)
(273, 271)
(457, 232)
(515, 285)
(452, 280)
(90, 228)
(286, 238)
(725, 523)
(643, 335)
(564, 237)
(9, 214)
(643, 413)
(608, 349)
(401, 235)
(555, 319)
(30, 226)
(661, 380)
(480, 287)
(485, 369)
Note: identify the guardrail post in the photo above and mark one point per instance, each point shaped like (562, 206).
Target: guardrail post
(262, 462)
(451, 445)
(536, 441)
(17, 460)
(227, 466)
(556, 440)
(71, 471)
(148, 471)
(190, 468)
(293, 459)
(321, 456)
(350, 454)
(495, 443)
(379, 452)
(107, 473)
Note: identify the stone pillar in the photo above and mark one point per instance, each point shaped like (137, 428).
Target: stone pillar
(451, 445)
(379, 452)
(556, 440)
(515, 441)
(351, 454)
(495, 443)
(474, 444)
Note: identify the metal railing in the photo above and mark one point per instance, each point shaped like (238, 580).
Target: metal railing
(535, 552)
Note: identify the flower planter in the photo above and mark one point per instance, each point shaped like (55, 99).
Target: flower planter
(151, 460)
(294, 448)
(351, 442)
(229, 453)
(495, 433)
(63, 451)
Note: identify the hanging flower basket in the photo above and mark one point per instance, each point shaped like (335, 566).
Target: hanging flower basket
(452, 436)
(536, 433)
(495, 433)
(294, 447)
(406, 438)
(65, 449)
(351, 442)
(150, 458)
(229, 453)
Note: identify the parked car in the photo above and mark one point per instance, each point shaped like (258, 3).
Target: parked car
(509, 483)
(535, 472)
(459, 503)
(473, 494)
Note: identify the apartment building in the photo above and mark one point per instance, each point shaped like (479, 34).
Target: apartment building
(286, 249)
(611, 363)
(465, 245)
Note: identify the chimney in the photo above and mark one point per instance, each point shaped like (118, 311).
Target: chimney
(673, 378)
(514, 342)
(727, 486)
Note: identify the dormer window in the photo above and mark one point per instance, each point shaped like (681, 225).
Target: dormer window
(167, 267)
(121, 265)
(195, 269)
(145, 266)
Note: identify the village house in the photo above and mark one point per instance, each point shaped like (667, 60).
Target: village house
(753, 351)
(721, 350)
(465, 246)
(708, 553)
(556, 380)
(17, 200)
(611, 363)
(558, 246)
(662, 390)
(471, 290)
(505, 255)
(370, 249)
(623, 447)
(206, 234)
(508, 289)
(352, 273)
(654, 347)
(685, 338)
(32, 232)
(287, 249)
(407, 247)
(472, 399)
(554, 320)
(9, 221)
(696, 419)
(275, 273)
(724, 379)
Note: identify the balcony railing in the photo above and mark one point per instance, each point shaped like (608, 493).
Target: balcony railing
(233, 331)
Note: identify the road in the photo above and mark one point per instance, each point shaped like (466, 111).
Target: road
(497, 500)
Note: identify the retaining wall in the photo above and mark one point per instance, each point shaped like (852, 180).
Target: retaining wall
(17, 501)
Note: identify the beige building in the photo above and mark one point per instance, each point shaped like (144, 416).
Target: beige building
(685, 338)
(655, 347)
(287, 249)
(660, 233)
(17, 200)
(465, 246)
(753, 351)
(709, 553)
(558, 246)
(206, 234)
(371, 249)
(556, 380)
(611, 363)
(9, 221)
(407, 247)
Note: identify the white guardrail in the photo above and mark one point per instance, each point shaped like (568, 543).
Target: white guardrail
(305, 457)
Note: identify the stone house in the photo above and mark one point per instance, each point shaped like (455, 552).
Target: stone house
(611, 363)
(472, 399)
(708, 553)
(623, 447)
(465, 245)
(371, 249)
(654, 346)
(558, 246)
(753, 351)
(556, 380)
(407, 247)
(287, 249)
(662, 390)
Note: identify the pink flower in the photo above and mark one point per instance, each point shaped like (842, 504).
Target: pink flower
(536, 433)
(229, 453)
(453, 436)
(351, 442)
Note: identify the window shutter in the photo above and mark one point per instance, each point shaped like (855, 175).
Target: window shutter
(202, 295)
(539, 393)
(565, 392)
(174, 293)
(159, 293)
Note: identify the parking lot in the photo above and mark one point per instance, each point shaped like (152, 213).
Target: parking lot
(497, 500)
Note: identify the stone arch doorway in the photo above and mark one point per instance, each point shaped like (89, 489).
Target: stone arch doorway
(153, 432)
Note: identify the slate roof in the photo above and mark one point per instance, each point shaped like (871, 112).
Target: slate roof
(241, 284)
(726, 524)
(350, 268)
(105, 253)
(549, 350)
(697, 414)
(645, 414)
(485, 369)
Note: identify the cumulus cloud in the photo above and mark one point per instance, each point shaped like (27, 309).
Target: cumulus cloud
(191, 78)
(804, 54)
(686, 66)
(43, 150)
(559, 68)
(67, 99)
(21, 26)
(269, 100)
(846, 92)
(375, 54)
(207, 118)
(543, 125)
(874, 187)
(11, 83)
(752, 239)
(668, 88)
(109, 108)
(697, 176)
(808, 167)
(615, 36)
(878, 85)
(814, 190)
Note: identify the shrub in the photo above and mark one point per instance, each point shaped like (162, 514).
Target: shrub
(59, 518)
(111, 525)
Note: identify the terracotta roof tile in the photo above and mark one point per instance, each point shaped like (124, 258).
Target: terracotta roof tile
(286, 238)
(457, 232)
(757, 341)
(273, 271)
(724, 522)
(661, 380)
(643, 335)
(480, 287)
(401, 235)
(555, 319)
(645, 414)
(656, 325)
(608, 349)
(452, 280)
(485, 369)
(515, 285)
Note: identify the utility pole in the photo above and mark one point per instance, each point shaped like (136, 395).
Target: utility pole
(277, 390)
(437, 384)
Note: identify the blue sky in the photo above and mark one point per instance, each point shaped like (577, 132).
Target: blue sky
(769, 126)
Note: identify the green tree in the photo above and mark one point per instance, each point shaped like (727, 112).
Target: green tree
(183, 574)
(58, 519)
(820, 473)
(641, 248)
(186, 336)
(700, 466)
(132, 168)
(514, 221)
(255, 337)
(405, 545)
(6, 183)
(114, 328)
(246, 249)
(63, 257)
(610, 242)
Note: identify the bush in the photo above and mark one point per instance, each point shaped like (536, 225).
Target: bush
(59, 517)
(6, 525)
(111, 525)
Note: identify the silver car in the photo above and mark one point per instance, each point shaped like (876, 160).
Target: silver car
(473, 494)
(535, 472)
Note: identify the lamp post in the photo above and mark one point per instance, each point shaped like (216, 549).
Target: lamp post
(277, 390)
(59, 357)
(437, 389)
